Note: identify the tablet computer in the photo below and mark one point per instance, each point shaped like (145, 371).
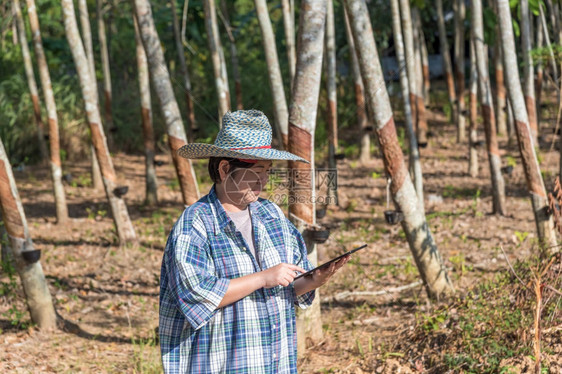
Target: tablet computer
(329, 262)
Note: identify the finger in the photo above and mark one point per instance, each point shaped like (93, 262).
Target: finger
(296, 268)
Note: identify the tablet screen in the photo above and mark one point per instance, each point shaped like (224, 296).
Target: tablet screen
(329, 262)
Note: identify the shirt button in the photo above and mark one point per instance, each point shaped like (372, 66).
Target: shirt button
(274, 327)
(274, 356)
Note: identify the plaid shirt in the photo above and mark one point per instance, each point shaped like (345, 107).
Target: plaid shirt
(256, 334)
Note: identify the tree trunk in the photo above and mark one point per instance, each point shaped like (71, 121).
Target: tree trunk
(535, 184)
(447, 65)
(55, 161)
(473, 105)
(538, 82)
(421, 125)
(487, 106)
(35, 287)
(31, 83)
(501, 100)
(289, 25)
(275, 79)
(362, 118)
(459, 13)
(422, 245)
(191, 125)
(125, 229)
(233, 55)
(332, 108)
(425, 63)
(151, 198)
(414, 156)
(214, 47)
(106, 72)
(528, 68)
(407, 32)
(302, 123)
(163, 86)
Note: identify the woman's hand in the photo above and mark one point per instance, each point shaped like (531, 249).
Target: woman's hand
(280, 275)
(319, 277)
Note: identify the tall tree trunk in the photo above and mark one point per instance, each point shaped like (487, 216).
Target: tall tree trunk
(151, 198)
(191, 125)
(214, 47)
(407, 32)
(125, 229)
(421, 125)
(447, 65)
(414, 156)
(459, 13)
(233, 55)
(302, 123)
(362, 118)
(422, 245)
(553, 11)
(106, 72)
(528, 68)
(535, 184)
(538, 82)
(25, 256)
(501, 100)
(163, 86)
(31, 83)
(275, 79)
(332, 109)
(487, 106)
(55, 161)
(289, 25)
(425, 63)
(473, 105)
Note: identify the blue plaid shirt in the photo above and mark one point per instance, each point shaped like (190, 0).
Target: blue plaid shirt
(256, 334)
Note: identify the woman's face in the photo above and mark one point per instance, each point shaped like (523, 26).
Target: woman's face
(243, 186)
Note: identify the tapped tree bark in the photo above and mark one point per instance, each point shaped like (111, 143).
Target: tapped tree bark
(54, 141)
(498, 184)
(422, 245)
(288, 7)
(362, 118)
(332, 108)
(216, 50)
(302, 122)
(106, 71)
(448, 67)
(37, 295)
(528, 68)
(535, 184)
(421, 125)
(501, 100)
(151, 197)
(163, 86)
(459, 16)
(275, 80)
(473, 104)
(31, 83)
(191, 125)
(414, 156)
(125, 229)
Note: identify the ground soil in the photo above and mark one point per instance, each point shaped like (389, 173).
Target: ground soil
(106, 296)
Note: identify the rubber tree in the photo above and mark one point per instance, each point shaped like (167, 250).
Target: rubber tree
(281, 113)
(191, 125)
(535, 184)
(125, 230)
(414, 155)
(31, 82)
(473, 113)
(459, 17)
(215, 48)
(447, 65)
(540, 72)
(501, 99)
(421, 124)
(108, 112)
(54, 140)
(424, 60)
(423, 247)
(528, 68)
(407, 32)
(332, 107)
(288, 8)
(224, 15)
(25, 256)
(302, 123)
(360, 110)
(487, 107)
(162, 85)
(151, 195)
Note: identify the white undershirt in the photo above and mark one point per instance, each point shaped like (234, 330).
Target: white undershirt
(243, 222)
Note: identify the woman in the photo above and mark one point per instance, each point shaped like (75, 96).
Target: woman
(228, 295)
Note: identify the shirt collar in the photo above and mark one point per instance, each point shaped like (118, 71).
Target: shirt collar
(257, 209)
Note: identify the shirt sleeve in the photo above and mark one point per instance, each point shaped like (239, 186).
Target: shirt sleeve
(300, 258)
(197, 290)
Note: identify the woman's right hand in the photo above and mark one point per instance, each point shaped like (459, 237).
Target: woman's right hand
(280, 275)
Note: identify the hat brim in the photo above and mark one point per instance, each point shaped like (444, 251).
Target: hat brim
(202, 151)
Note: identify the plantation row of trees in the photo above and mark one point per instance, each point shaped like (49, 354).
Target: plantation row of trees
(291, 96)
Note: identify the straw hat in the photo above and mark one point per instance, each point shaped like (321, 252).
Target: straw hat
(245, 134)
